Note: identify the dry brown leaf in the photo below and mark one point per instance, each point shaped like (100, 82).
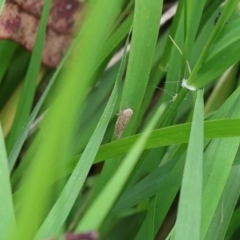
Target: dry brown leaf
(21, 23)
(63, 13)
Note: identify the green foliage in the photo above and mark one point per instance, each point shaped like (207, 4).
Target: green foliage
(174, 172)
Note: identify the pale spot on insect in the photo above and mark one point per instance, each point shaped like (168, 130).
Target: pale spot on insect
(68, 6)
(122, 121)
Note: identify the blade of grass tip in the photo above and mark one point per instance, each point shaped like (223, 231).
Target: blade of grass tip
(7, 215)
(188, 223)
(104, 202)
(27, 95)
(60, 210)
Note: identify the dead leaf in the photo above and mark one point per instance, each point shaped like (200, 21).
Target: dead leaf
(63, 13)
(20, 19)
(82, 236)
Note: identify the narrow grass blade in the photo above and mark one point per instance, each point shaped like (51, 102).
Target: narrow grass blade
(149, 186)
(145, 27)
(19, 143)
(214, 183)
(7, 49)
(218, 159)
(233, 228)
(171, 135)
(55, 219)
(151, 216)
(189, 210)
(62, 207)
(22, 137)
(2, 2)
(104, 202)
(7, 214)
(58, 135)
(229, 7)
(226, 44)
(226, 205)
(193, 13)
(166, 189)
(28, 91)
(164, 137)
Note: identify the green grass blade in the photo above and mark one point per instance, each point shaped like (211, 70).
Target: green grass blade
(7, 49)
(150, 185)
(58, 214)
(58, 135)
(220, 170)
(164, 137)
(23, 135)
(141, 56)
(151, 216)
(62, 207)
(233, 228)
(193, 13)
(28, 91)
(189, 210)
(2, 2)
(171, 135)
(229, 7)
(218, 159)
(227, 45)
(104, 202)
(165, 185)
(7, 214)
(145, 27)
(226, 205)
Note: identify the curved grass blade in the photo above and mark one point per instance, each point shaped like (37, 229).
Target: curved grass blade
(28, 91)
(7, 214)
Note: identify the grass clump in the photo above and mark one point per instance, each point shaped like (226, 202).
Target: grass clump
(172, 174)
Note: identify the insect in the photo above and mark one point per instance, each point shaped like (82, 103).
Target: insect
(122, 121)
